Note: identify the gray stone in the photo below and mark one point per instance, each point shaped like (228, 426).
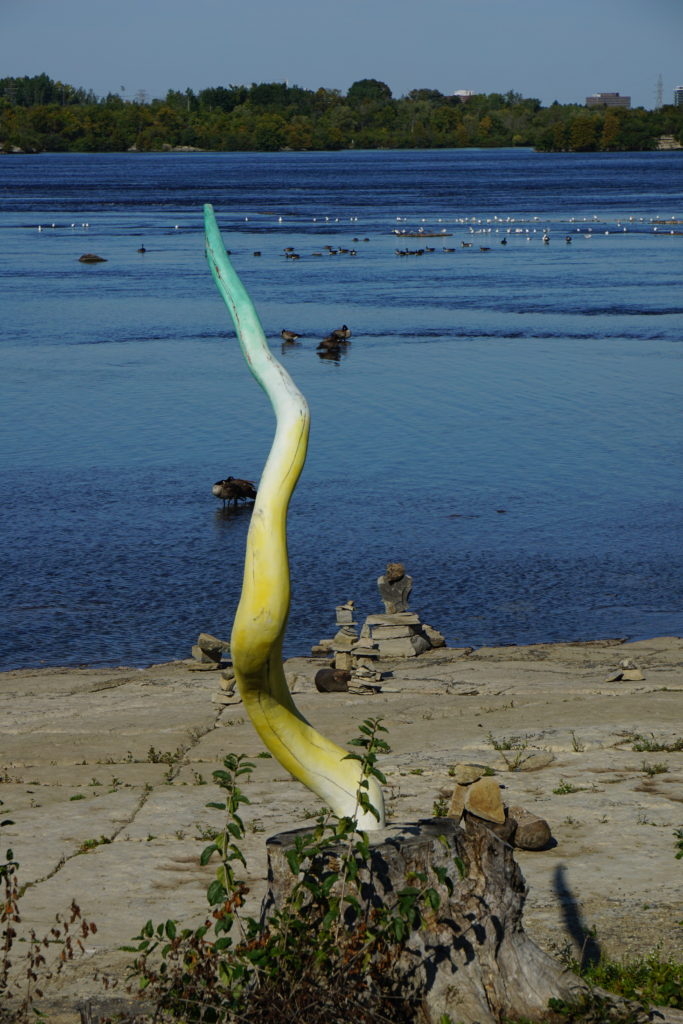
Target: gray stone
(345, 638)
(408, 647)
(204, 666)
(531, 832)
(395, 587)
(392, 632)
(297, 682)
(224, 699)
(212, 645)
(199, 654)
(435, 638)
(228, 680)
(457, 802)
(365, 651)
(343, 660)
(484, 799)
(344, 643)
(466, 773)
(393, 619)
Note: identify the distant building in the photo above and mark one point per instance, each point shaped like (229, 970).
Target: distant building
(608, 99)
(464, 95)
(678, 96)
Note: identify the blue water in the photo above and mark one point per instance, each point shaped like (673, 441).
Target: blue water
(506, 423)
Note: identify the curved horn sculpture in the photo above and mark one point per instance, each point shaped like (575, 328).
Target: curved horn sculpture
(261, 617)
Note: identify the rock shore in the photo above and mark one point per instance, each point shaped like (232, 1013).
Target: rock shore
(106, 774)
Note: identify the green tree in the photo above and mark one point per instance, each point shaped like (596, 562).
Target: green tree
(583, 133)
(221, 98)
(299, 133)
(610, 137)
(368, 90)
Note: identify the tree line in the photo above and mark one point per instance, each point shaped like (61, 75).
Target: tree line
(38, 114)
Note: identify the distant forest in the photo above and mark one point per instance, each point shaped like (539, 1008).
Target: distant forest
(40, 115)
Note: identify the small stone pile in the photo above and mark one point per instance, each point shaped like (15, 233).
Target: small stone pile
(476, 792)
(209, 655)
(208, 652)
(628, 673)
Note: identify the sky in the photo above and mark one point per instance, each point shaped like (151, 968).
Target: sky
(560, 50)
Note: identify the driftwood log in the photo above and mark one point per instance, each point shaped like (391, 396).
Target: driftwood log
(472, 959)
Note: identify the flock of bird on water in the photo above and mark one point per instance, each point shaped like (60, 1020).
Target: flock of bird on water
(330, 347)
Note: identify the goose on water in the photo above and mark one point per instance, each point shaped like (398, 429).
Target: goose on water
(233, 490)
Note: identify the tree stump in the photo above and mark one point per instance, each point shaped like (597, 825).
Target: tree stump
(471, 959)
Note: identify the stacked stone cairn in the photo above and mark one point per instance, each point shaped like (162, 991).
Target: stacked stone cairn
(209, 654)
(350, 655)
(477, 793)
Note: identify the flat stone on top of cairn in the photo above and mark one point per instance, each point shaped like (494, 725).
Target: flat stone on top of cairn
(344, 614)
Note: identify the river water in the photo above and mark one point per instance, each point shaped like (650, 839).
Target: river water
(505, 422)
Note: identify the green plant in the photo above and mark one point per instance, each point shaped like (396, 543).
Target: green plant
(78, 796)
(643, 744)
(325, 954)
(311, 812)
(509, 743)
(207, 833)
(506, 742)
(566, 787)
(577, 745)
(169, 757)
(592, 1008)
(648, 979)
(440, 808)
(653, 769)
(90, 844)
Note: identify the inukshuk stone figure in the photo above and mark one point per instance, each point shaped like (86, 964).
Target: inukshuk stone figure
(394, 588)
